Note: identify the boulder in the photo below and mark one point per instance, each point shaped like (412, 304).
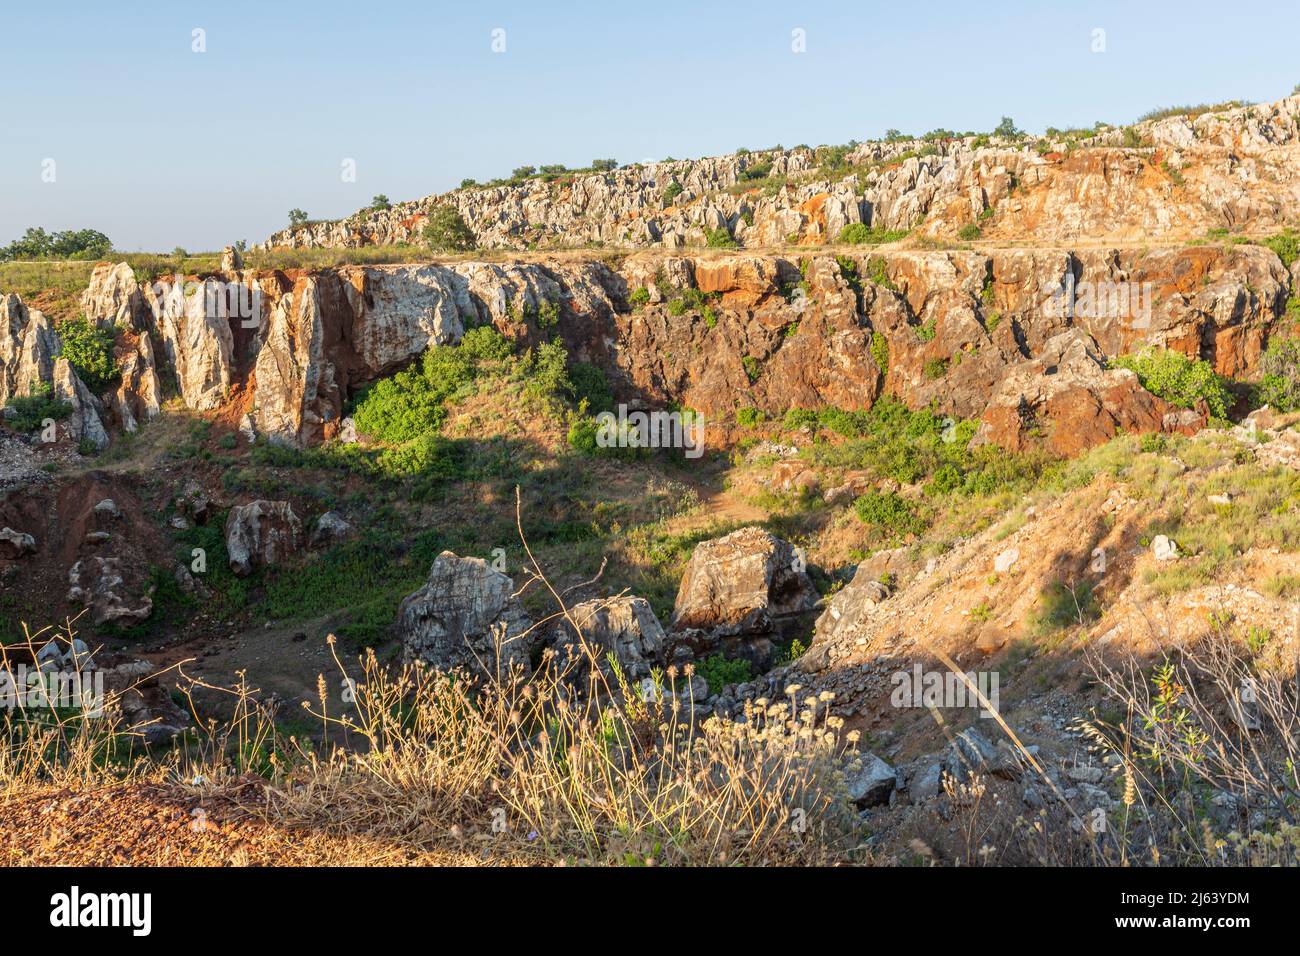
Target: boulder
(1164, 548)
(850, 606)
(466, 615)
(99, 585)
(870, 781)
(1005, 561)
(331, 527)
(231, 260)
(108, 508)
(16, 544)
(743, 583)
(624, 626)
(969, 753)
(261, 533)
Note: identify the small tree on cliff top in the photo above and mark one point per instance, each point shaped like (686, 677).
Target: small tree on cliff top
(446, 231)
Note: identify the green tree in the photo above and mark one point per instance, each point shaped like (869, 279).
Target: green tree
(380, 202)
(604, 165)
(90, 353)
(36, 243)
(297, 218)
(446, 231)
(1007, 128)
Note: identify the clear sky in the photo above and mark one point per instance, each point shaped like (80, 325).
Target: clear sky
(160, 146)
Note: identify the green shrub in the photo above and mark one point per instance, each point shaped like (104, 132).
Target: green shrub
(878, 274)
(90, 353)
(720, 239)
(399, 408)
(1286, 245)
(749, 417)
(969, 232)
(936, 368)
(1062, 605)
(1179, 380)
(590, 385)
(880, 351)
(446, 231)
(673, 190)
(1279, 383)
(412, 402)
(32, 410)
(854, 233)
(640, 296)
(797, 418)
(926, 331)
(719, 671)
(753, 368)
(582, 434)
(857, 234)
(888, 512)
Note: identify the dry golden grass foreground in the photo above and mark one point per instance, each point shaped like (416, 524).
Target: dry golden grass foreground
(154, 824)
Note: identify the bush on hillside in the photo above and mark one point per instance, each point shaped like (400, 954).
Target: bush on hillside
(90, 353)
(1279, 384)
(1179, 380)
(29, 412)
(446, 231)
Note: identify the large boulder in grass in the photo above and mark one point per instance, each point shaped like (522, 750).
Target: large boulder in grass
(466, 615)
(742, 593)
(100, 585)
(16, 544)
(261, 533)
(623, 626)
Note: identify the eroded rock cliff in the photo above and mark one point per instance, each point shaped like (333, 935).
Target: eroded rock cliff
(1178, 177)
(1019, 338)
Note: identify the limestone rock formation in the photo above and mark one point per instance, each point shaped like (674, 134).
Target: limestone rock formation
(261, 533)
(138, 396)
(113, 298)
(28, 347)
(465, 615)
(331, 527)
(16, 544)
(1072, 396)
(1169, 178)
(624, 626)
(99, 584)
(86, 422)
(1018, 337)
(742, 592)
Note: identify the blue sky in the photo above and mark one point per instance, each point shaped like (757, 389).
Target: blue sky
(159, 146)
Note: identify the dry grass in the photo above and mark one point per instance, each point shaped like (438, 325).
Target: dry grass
(568, 763)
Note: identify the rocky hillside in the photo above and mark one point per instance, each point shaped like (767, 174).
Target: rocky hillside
(1073, 447)
(1173, 178)
(973, 335)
